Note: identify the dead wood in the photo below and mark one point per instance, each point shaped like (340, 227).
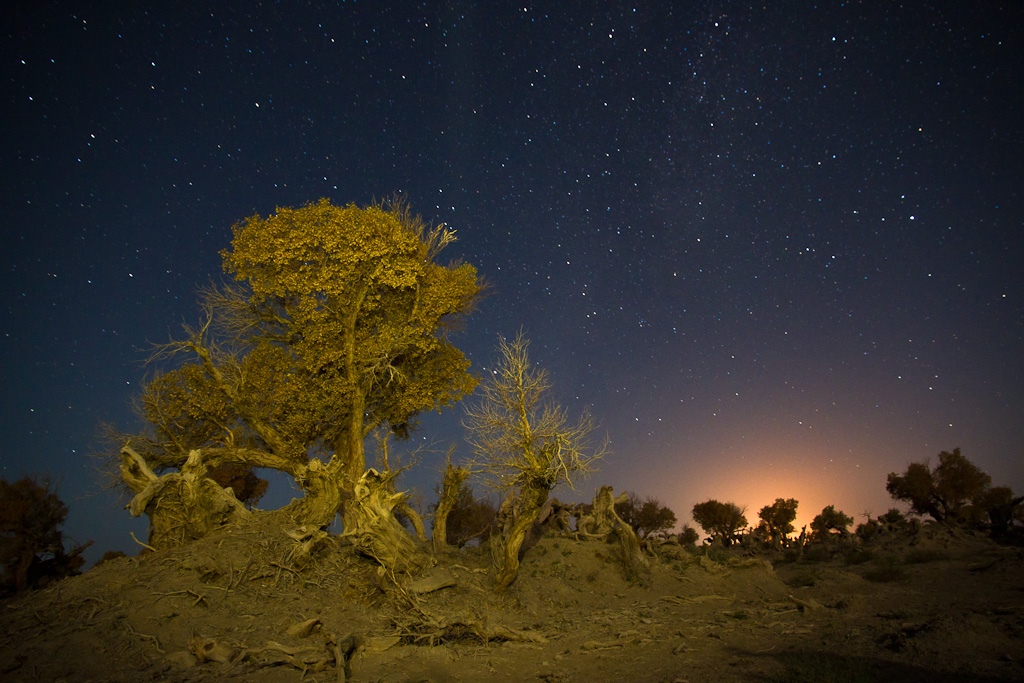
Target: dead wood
(182, 506)
(371, 526)
(450, 484)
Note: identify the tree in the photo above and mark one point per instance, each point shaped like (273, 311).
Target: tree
(830, 524)
(688, 537)
(647, 516)
(31, 543)
(1000, 505)
(465, 516)
(338, 325)
(722, 521)
(777, 520)
(947, 493)
(527, 445)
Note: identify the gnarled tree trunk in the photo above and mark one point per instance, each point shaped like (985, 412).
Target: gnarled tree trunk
(450, 485)
(182, 506)
(322, 495)
(371, 526)
(607, 523)
(516, 518)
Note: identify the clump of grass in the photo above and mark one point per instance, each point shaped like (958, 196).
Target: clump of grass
(885, 569)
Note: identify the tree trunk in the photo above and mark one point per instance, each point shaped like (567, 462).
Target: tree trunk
(519, 519)
(450, 485)
(182, 506)
(322, 495)
(608, 522)
(371, 526)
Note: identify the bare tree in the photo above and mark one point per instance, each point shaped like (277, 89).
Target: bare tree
(527, 445)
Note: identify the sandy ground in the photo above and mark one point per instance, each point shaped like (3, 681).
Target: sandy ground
(930, 607)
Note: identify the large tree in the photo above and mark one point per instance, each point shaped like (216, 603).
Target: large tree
(723, 521)
(337, 326)
(777, 520)
(951, 492)
(527, 444)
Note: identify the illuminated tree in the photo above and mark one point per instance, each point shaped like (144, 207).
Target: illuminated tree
(949, 493)
(527, 445)
(647, 516)
(722, 521)
(338, 326)
(830, 524)
(777, 520)
(31, 543)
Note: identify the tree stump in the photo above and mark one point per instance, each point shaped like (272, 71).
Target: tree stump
(371, 526)
(182, 506)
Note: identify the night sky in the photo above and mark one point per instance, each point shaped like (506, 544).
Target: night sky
(776, 250)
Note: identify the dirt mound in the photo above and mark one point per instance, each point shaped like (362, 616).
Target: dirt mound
(242, 604)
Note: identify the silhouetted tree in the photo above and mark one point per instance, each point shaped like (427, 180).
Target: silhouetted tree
(1000, 505)
(647, 516)
(31, 543)
(891, 521)
(722, 521)
(830, 525)
(688, 536)
(527, 445)
(949, 493)
(777, 520)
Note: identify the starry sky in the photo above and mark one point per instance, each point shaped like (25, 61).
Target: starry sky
(775, 248)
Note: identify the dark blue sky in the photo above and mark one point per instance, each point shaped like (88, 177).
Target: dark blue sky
(776, 250)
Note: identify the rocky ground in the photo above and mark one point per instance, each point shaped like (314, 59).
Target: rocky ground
(933, 606)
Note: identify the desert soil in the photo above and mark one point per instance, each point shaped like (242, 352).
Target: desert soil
(931, 607)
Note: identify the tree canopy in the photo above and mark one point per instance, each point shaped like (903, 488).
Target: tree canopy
(777, 519)
(723, 521)
(647, 516)
(945, 492)
(830, 524)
